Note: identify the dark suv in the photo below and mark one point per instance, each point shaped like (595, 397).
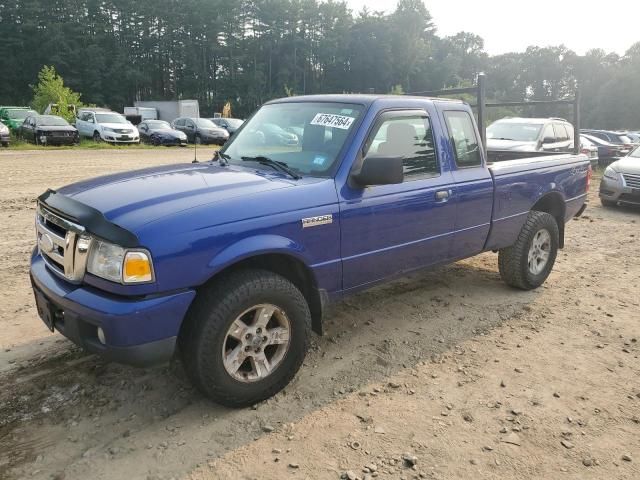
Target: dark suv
(201, 130)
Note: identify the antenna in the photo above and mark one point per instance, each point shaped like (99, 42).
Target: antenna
(195, 147)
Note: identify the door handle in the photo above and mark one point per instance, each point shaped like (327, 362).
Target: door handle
(443, 195)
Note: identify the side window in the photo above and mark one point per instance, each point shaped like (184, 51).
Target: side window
(463, 138)
(569, 129)
(561, 132)
(409, 137)
(180, 122)
(549, 133)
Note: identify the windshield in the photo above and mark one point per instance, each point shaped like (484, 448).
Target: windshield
(521, 132)
(635, 153)
(20, 114)
(159, 125)
(321, 130)
(52, 121)
(204, 123)
(624, 139)
(110, 118)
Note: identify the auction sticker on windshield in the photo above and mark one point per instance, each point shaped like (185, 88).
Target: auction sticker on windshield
(334, 121)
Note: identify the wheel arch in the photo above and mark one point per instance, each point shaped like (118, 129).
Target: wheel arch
(278, 255)
(553, 203)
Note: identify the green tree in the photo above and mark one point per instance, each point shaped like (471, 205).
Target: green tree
(51, 89)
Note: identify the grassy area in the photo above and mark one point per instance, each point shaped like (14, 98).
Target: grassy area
(84, 144)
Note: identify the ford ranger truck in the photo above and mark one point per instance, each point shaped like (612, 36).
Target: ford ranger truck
(231, 263)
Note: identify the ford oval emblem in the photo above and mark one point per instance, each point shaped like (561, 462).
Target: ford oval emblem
(46, 243)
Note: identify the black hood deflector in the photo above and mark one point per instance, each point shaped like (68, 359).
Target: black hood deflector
(90, 218)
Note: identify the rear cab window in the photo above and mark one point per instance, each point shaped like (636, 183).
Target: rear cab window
(462, 134)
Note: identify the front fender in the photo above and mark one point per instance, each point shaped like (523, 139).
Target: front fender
(255, 246)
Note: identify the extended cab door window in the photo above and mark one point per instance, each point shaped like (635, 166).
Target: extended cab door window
(408, 136)
(466, 147)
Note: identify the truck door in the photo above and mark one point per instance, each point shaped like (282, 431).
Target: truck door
(390, 229)
(474, 184)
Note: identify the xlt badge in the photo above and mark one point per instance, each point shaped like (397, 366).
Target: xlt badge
(315, 221)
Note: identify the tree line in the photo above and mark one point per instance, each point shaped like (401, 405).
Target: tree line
(249, 51)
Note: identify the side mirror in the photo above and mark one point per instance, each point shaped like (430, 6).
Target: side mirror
(547, 140)
(377, 170)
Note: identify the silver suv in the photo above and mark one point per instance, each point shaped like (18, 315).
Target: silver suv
(107, 126)
(531, 135)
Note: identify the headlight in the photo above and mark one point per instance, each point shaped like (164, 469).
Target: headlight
(114, 263)
(110, 130)
(611, 174)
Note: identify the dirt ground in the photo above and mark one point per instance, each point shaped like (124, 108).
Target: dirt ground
(445, 374)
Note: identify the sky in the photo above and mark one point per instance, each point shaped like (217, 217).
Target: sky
(513, 25)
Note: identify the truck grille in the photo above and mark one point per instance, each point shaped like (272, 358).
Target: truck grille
(631, 180)
(63, 245)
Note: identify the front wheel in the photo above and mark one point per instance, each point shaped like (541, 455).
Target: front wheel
(608, 203)
(528, 262)
(198, 140)
(245, 337)
(96, 137)
(5, 144)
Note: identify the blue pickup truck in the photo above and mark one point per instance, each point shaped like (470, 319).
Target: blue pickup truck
(232, 262)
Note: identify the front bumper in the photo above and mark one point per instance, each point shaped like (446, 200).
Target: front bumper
(168, 141)
(59, 140)
(120, 138)
(617, 191)
(139, 331)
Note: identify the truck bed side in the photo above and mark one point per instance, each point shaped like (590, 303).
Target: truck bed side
(520, 185)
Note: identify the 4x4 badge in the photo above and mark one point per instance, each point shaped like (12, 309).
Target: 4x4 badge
(315, 221)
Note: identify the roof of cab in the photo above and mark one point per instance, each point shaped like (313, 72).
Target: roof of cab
(362, 99)
(535, 121)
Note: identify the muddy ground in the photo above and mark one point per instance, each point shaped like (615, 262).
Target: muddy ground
(451, 368)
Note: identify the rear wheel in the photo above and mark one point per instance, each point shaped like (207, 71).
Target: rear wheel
(528, 262)
(607, 203)
(245, 337)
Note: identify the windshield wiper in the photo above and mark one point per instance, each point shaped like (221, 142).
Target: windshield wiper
(280, 166)
(503, 138)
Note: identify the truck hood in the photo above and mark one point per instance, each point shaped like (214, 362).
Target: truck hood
(513, 145)
(134, 199)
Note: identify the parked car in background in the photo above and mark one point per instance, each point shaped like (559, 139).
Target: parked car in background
(5, 135)
(607, 152)
(48, 130)
(621, 181)
(615, 138)
(270, 133)
(201, 130)
(105, 125)
(159, 132)
(590, 149)
(530, 135)
(634, 137)
(13, 117)
(229, 124)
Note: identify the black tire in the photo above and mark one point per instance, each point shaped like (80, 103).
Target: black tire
(608, 203)
(207, 323)
(155, 141)
(513, 261)
(96, 137)
(197, 140)
(5, 144)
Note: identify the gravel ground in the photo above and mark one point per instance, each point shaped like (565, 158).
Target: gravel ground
(450, 369)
